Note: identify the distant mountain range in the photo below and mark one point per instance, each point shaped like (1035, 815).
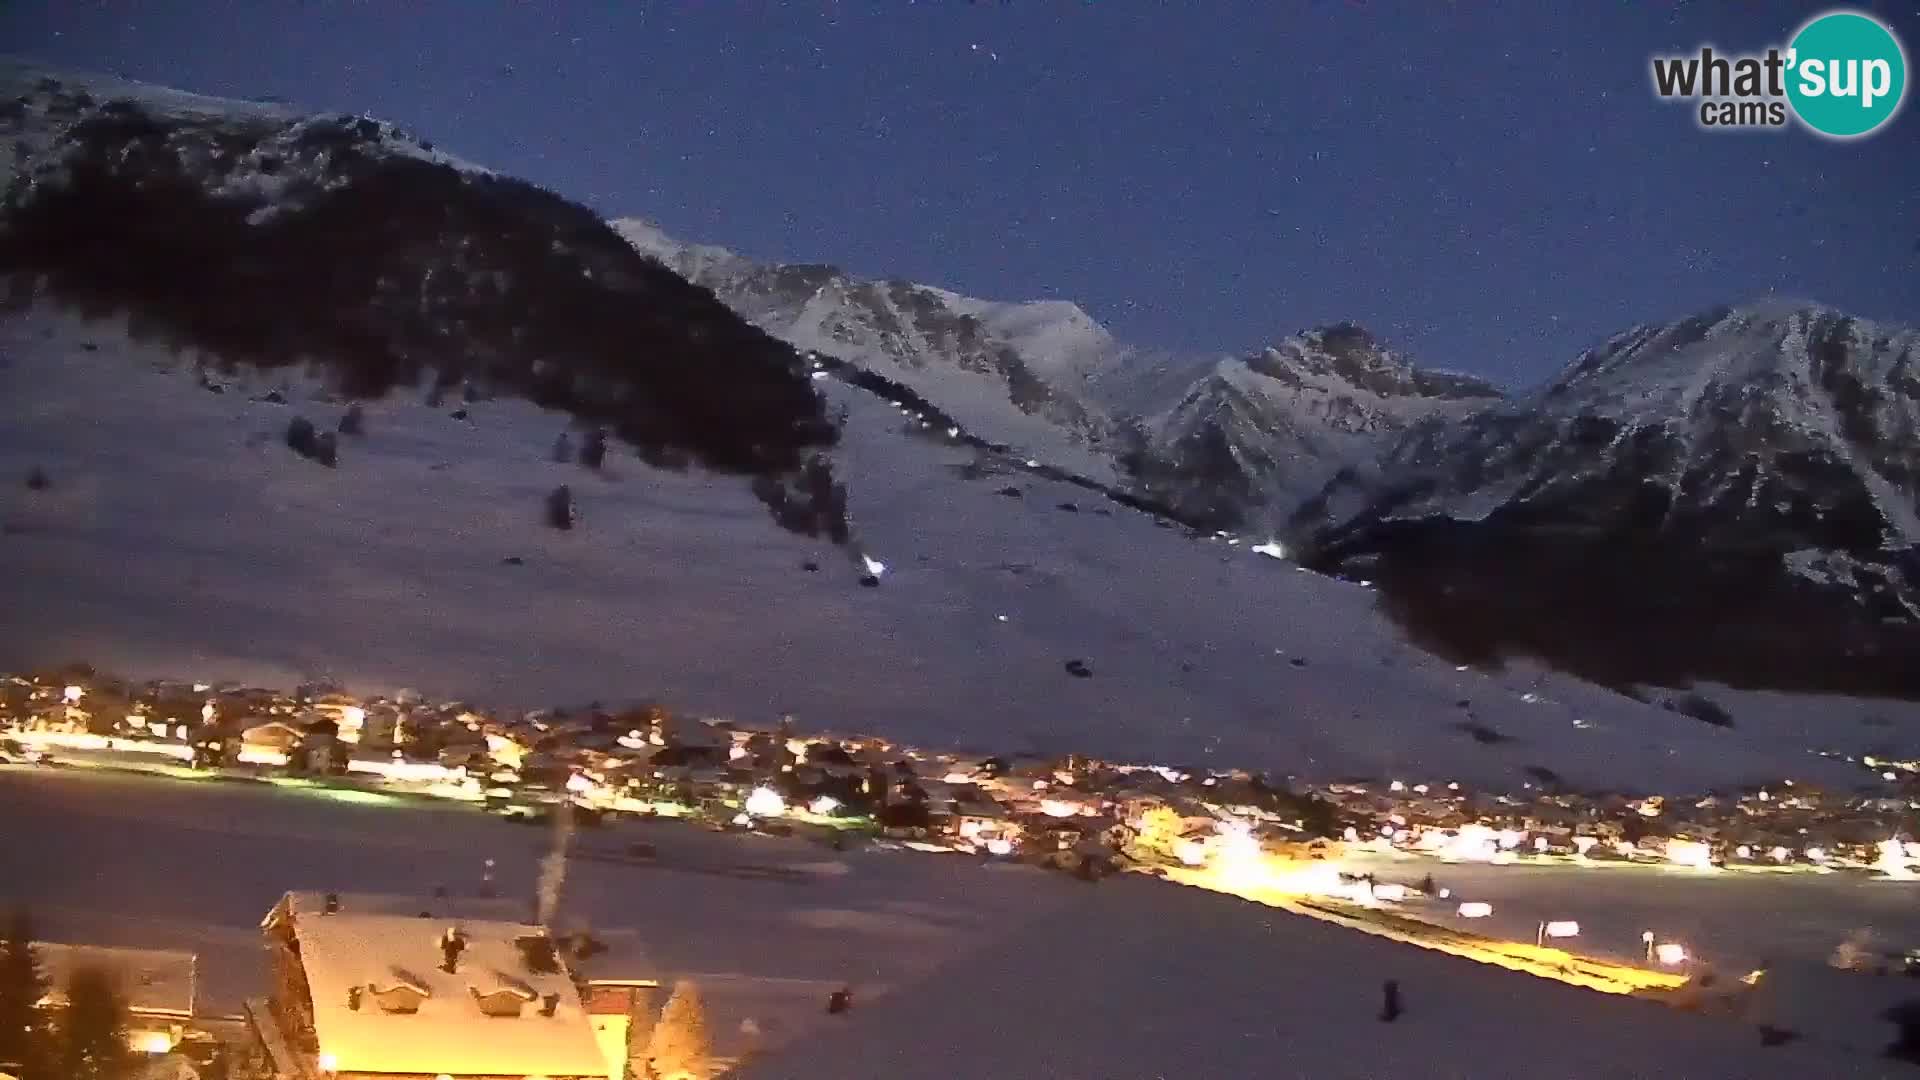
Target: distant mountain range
(1226, 444)
(1681, 487)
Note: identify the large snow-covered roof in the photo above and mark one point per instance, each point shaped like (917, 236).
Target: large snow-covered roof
(1143, 981)
(449, 1034)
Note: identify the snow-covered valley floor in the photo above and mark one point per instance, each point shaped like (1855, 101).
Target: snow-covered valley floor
(181, 538)
(959, 969)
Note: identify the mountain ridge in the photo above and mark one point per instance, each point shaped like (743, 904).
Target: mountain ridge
(1232, 443)
(1759, 458)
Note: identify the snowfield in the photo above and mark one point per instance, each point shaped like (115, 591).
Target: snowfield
(181, 537)
(1147, 981)
(959, 968)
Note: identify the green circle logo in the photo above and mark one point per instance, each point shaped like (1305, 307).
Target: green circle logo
(1846, 74)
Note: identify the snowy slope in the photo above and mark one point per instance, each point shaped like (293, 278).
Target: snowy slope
(203, 547)
(333, 245)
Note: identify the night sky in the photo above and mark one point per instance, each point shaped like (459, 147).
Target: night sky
(1490, 189)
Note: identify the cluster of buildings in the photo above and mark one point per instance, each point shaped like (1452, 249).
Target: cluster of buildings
(369, 986)
(1077, 813)
(385, 987)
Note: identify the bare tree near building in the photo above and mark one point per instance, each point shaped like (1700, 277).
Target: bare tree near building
(594, 450)
(681, 1048)
(23, 1028)
(560, 508)
(1390, 1005)
(93, 1029)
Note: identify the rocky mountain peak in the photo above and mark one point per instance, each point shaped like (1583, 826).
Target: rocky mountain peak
(1762, 454)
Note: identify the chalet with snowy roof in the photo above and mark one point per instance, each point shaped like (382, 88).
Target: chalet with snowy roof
(381, 988)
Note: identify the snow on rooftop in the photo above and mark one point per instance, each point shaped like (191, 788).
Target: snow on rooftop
(352, 951)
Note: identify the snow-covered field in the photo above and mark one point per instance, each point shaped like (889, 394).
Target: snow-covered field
(119, 859)
(1731, 923)
(180, 537)
(959, 968)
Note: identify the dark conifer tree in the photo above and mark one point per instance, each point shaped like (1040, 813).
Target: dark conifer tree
(93, 1029)
(560, 508)
(23, 1029)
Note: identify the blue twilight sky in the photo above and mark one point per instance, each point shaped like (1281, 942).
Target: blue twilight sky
(1489, 187)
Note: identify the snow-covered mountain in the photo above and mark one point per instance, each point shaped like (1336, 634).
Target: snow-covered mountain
(1247, 442)
(1010, 373)
(184, 493)
(1757, 461)
(1224, 444)
(253, 235)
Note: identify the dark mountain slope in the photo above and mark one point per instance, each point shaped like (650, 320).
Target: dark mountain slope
(270, 241)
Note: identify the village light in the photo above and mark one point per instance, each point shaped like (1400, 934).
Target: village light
(1000, 846)
(1670, 953)
(874, 566)
(73, 694)
(1689, 853)
(1892, 860)
(1058, 808)
(824, 805)
(765, 802)
(1475, 909)
(1815, 854)
(149, 1042)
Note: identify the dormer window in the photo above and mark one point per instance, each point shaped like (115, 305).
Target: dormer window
(401, 993)
(502, 1001)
